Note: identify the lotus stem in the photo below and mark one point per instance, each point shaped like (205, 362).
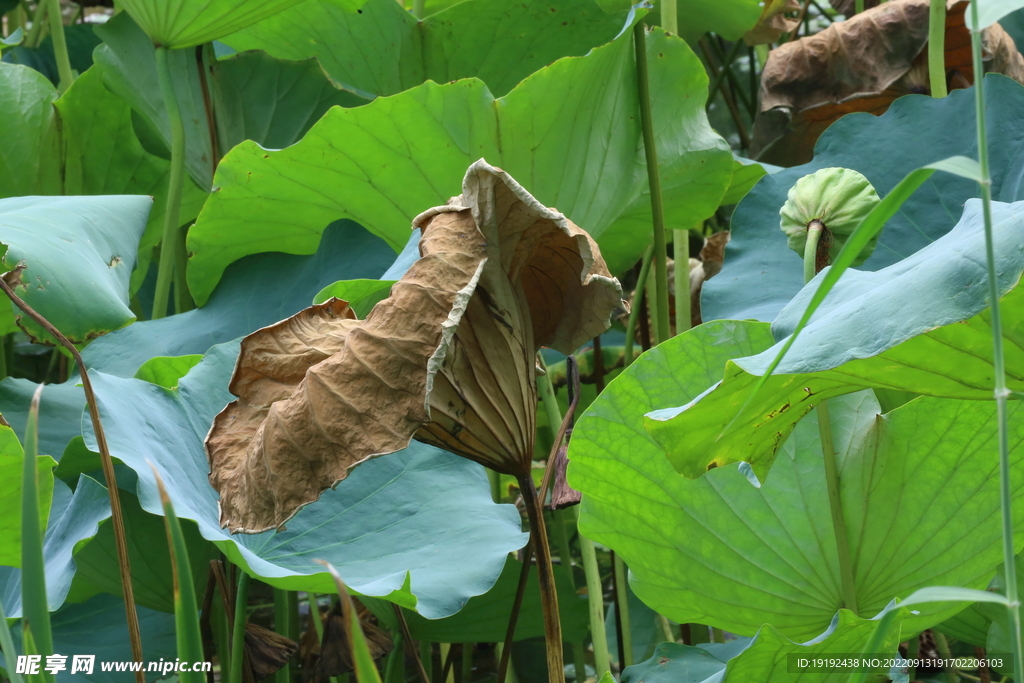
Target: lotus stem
(517, 604)
(238, 628)
(595, 596)
(410, 648)
(116, 516)
(7, 649)
(858, 6)
(282, 624)
(419, 8)
(60, 47)
(172, 213)
(634, 312)
(847, 584)
(622, 609)
(35, 34)
(937, 48)
(846, 578)
(681, 251)
(660, 301)
(545, 572)
(467, 662)
(999, 365)
(814, 231)
(35, 611)
(670, 16)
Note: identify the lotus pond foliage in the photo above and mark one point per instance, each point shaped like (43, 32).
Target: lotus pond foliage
(355, 341)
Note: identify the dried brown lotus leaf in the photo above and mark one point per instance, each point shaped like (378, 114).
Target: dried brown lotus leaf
(862, 64)
(447, 358)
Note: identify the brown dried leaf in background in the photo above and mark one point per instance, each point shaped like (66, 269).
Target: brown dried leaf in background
(861, 65)
(266, 651)
(334, 657)
(447, 358)
(777, 17)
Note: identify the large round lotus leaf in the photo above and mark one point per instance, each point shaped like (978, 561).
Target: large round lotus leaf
(501, 42)
(761, 274)
(251, 295)
(185, 23)
(903, 328)
(569, 134)
(765, 657)
(921, 507)
(76, 256)
(385, 527)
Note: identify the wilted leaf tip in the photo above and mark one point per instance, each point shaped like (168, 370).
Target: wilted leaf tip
(447, 358)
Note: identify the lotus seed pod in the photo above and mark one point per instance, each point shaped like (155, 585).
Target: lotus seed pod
(839, 198)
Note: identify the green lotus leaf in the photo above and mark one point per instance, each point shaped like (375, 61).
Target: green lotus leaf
(98, 627)
(80, 40)
(761, 275)
(74, 256)
(762, 658)
(384, 527)
(723, 551)
(28, 157)
(258, 97)
(251, 295)
(837, 198)
(729, 19)
(148, 554)
(60, 411)
(934, 308)
(167, 370)
(501, 42)
(127, 61)
(12, 458)
(362, 295)
(82, 143)
(186, 23)
(74, 519)
(569, 134)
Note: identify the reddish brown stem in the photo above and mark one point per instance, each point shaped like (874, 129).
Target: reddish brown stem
(546, 574)
(134, 634)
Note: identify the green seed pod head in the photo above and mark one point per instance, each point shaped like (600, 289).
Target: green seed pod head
(838, 197)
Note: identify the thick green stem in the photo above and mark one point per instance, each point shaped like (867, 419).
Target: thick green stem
(419, 8)
(670, 16)
(654, 181)
(595, 596)
(814, 231)
(238, 632)
(937, 48)
(622, 607)
(1001, 392)
(828, 452)
(634, 312)
(35, 614)
(563, 519)
(282, 625)
(849, 588)
(169, 243)
(60, 46)
(546, 576)
(681, 252)
(858, 6)
(35, 34)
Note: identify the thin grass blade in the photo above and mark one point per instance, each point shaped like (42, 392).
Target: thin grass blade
(35, 609)
(186, 613)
